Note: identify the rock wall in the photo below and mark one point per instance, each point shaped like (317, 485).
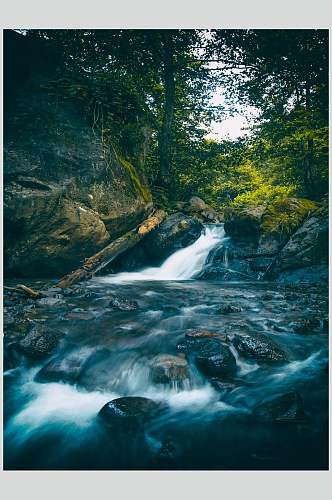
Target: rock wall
(305, 255)
(286, 242)
(67, 192)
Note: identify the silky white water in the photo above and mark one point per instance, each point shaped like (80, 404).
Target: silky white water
(184, 264)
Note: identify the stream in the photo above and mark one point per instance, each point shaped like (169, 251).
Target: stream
(208, 422)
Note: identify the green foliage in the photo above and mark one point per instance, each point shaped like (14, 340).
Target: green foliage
(119, 77)
(264, 195)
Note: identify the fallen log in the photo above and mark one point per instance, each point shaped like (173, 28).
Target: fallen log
(110, 252)
(24, 290)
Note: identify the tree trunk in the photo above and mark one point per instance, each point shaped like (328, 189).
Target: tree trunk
(113, 250)
(165, 137)
(309, 155)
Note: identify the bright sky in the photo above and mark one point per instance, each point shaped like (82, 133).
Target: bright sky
(230, 127)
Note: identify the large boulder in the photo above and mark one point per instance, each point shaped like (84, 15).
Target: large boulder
(40, 342)
(211, 356)
(175, 232)
(66, 192)
(259, 347)
(197, 208)
(306, 250)
(244, 223)
(130, 413)
(47, 234)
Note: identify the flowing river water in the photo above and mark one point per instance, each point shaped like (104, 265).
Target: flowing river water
(209, 422)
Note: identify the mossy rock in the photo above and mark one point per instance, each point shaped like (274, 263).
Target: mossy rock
(285, 216)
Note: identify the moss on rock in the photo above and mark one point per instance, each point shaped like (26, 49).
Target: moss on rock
(145, 193)
(284, 216)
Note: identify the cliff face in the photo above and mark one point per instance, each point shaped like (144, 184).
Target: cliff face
(67, 191)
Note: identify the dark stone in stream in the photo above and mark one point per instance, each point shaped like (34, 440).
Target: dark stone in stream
(305, 326)
(285, 408)
(130, 413)
(229, 308)
(122, 304)
(211, 356)
(40, 342)
(259, 346)
(167, 369)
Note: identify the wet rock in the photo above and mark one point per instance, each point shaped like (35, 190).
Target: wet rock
(305, 256)
(167, 369)
(202, 334)
(230, 308)
(64, 368)
(131, 260)
(130, 412)
(40, 342)
(244, 223)
(122, 304)
(259, 346)
(285, 408)
(305, 326)
(211, 356)
(175, 232)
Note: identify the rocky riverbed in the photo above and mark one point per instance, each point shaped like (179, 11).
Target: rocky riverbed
(167, 375)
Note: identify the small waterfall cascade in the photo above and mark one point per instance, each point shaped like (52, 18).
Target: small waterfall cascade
(184, 264)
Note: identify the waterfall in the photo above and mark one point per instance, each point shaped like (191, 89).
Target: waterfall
(184, 264)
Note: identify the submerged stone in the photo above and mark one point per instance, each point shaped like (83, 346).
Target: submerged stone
(305, 326)
(167, 369)
(65, 368)
(285, 408)
(123, 304)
